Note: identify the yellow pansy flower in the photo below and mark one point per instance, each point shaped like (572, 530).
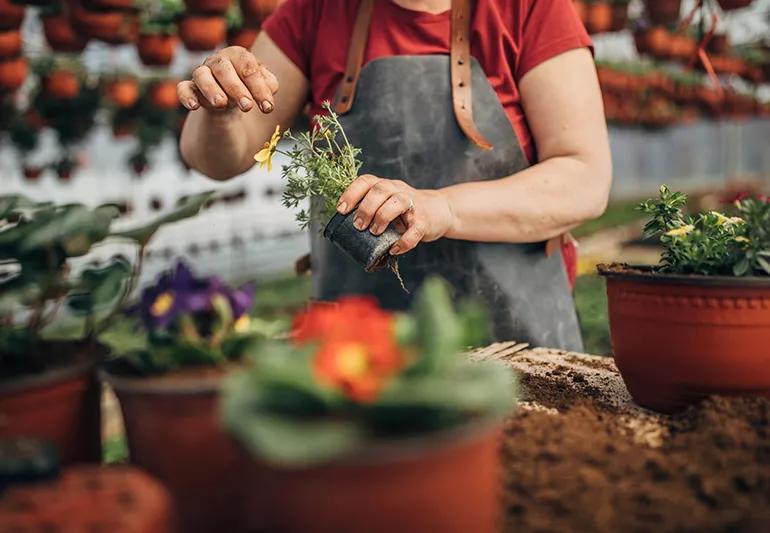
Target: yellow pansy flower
(742, 239)
(162, 304)
(681, 231)
(242, 324)
(722, 219)
(265, 156)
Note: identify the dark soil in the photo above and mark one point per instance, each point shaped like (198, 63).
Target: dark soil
(48, 356)
(579, 470)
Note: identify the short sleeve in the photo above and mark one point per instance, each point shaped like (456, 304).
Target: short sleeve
(292, 27)
(550, 28)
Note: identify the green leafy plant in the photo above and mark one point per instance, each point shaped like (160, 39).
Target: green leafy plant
(353, 375)
(322, 164)
(710, 243)
(160, 17)
(37, 241)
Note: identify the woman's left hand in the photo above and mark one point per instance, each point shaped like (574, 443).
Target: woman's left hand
(421, 215)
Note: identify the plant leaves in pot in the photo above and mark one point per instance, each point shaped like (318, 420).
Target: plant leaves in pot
(168, 390)
(369, 421)
(698, 323)
(322, 164)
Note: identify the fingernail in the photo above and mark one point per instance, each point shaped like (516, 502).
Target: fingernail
(358, 224)
(245, 103)
(192, 104)
(216, 99)
(375, 229)
(342, 207)
(267, 106)
(395, 250)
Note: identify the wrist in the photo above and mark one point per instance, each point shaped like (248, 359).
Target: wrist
(450, 214)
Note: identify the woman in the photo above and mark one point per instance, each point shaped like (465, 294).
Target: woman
(484, 155)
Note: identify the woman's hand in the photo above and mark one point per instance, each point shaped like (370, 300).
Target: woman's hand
(420, 215)
(231, 77)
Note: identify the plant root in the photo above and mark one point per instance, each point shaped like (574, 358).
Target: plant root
(393, 265)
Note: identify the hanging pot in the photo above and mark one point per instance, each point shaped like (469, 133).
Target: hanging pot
(13, 72)
(156, 50)
(113, 27)
(209, 7)
(244, 37)
(599, 16)
(370, 251)
(201, 33)
(658, 42)
(32, 173)
(10, 43)
(60, 34)
(256, 11)
(664, 11)
(163, 95)
(682, 47)
(11, 15)
(123, 92)
(61, 84)
(108, 5)
(619, 16)
(729, 5)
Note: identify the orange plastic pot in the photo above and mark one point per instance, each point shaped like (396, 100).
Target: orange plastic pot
(123, 93)
(677, 339)
(13, 72)
(163, 95)
(61, 84)
(173, 433)
(664, 11)
(156, 50)
(10, 43)
(113, 27)
(11, 15)
(599, 17)
(61, 36)
(244, 37)
(658, 42)
(201, 33)
(61, 405)
(118, 500)
(682, 47)
(449, 483)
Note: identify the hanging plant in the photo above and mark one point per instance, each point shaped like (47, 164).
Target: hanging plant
(163, 95)
(238, 34)
(13, 72)
(599, 16)
(32, 173)
(59, 32)
(65, 166)
(124, 122)
(123, 91)
(664, 11)
(619, 15)
(11, 15)
(10, 43)
(139, 162)
(113, 27)
(201, 33)
(158, 32)
(62, 84)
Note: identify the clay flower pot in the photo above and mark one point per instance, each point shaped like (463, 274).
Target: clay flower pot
(32, 173)
(61, 84)
(619, 16)
(664, 11)
(682, 47)
(213, 7)
(119, 500)
(60, 34)
(256, 11)
(370, 251)
(449, 483)
(13, 72)
(201, 33)
(658, 42)
(123, 92)
(199, 464)
(244, 37)
(599, 16)
(729, 5)
(11, 15)
(163, 95)
(678, 339)
(113, 27)
(156, 50)
(10, 43)
(59, 405)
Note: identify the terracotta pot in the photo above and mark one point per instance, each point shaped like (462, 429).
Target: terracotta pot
(599, 17)
(10, 43)
(11, 15)
(13, 72)
(116, 499)
(163, 95)
(123, 93)
(107, 5)
(156, 50)
(61, 84)
(113, 27)
(677, 339)
(60, 405)
(202, 468)
(213, 7)
(619, 16)
(201, 33)
(664, 11)
(450, 483)
(682, 47)
(61, 36)
(256, 11)
(729, 5)
(123, 130)
(244, 37)
(658, 42)
(32, 173)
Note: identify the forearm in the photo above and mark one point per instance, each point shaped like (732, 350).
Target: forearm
(534, 205)
(217, 143)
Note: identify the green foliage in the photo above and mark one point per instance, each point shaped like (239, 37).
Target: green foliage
(710, 243)
(160, 16)
(322, 165)
(281, 412)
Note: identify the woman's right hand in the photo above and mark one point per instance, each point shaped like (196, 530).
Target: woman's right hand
(232, 77)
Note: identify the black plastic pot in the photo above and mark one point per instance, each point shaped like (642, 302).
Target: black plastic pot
(370, 251)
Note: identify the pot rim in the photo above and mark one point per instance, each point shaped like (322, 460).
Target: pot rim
(645, 274)
(94, 356)
(151, 385)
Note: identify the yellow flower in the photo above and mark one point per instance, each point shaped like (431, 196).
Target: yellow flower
(742, 239)
(242, 324)
(722, 220)
(265, 156)
(681, 231)
(162, 304)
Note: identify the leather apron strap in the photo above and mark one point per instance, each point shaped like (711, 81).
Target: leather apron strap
(459, 51)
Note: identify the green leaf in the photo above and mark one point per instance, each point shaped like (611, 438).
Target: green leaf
(100, 287)
(439, 331)
(18, 292)
(186, 209)
(741, 268)
(764, 263)
(11, 202)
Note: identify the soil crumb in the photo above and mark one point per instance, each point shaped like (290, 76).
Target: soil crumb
(573, 467)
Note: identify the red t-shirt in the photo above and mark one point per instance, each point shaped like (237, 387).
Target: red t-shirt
(508, 38)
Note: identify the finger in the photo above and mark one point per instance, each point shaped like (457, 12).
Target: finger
(399, 225)
(187, 95)
(411, 238)
(209, 88)
(270, 79)
(226, 76)
(252, 75)
(392, 209)
(377, 196)
(356, 192)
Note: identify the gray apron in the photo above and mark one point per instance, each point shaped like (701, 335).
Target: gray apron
(402, 120)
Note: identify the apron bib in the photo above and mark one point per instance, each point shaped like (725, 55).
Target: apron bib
(403, 122)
